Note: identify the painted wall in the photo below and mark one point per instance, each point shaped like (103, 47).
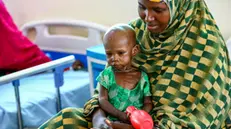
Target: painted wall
(107, 12)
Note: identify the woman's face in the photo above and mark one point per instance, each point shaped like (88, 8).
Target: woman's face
(155, 14)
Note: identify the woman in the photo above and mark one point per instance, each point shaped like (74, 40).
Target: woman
(186, 58)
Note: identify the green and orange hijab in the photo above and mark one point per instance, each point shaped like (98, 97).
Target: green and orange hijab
(189, 68)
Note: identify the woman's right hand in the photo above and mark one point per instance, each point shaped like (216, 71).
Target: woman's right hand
(123, 117)
(118, 125)
(98, 120)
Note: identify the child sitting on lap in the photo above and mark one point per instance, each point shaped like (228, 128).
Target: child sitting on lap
(121, 84)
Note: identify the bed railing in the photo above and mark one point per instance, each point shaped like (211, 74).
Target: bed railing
(57, 66)
(65, 42)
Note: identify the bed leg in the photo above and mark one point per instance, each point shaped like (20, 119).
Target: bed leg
(59, 80)
(16, 85)
(58, 99)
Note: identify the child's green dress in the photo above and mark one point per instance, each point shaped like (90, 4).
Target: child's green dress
(121, 97)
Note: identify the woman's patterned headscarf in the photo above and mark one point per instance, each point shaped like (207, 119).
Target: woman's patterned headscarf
(188, 66)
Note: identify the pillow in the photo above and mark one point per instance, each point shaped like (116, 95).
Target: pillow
(17, 52)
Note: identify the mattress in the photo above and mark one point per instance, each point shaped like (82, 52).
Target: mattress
(38, 98)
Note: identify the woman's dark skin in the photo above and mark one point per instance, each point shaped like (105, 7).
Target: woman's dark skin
(99, 119)
(156, 15)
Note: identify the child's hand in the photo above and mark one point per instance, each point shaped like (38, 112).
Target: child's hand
(123, 117)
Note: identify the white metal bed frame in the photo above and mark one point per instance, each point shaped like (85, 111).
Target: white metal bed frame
(59, 43)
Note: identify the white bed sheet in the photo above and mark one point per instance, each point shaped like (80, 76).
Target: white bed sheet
(38, 98)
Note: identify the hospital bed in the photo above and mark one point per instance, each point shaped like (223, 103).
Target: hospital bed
(31, 96)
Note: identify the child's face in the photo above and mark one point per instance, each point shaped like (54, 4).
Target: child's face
(119, 50)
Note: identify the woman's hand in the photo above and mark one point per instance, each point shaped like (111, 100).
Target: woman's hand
(118, 125)
(123, 117)
(98, 120)
(107, 124)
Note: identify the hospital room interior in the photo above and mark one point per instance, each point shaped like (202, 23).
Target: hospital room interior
(69, 33)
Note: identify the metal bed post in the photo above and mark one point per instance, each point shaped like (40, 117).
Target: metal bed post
(59, 80)
(16, 85)
(57, 65)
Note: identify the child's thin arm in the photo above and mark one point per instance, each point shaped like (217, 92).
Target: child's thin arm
(147, 104)
(108, 107)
